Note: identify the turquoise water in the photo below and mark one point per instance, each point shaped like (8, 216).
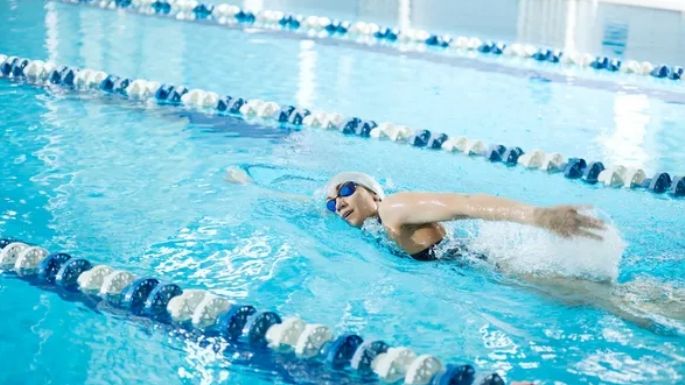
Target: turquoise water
(144, 189)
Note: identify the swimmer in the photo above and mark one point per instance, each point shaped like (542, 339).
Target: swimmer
(413, 219)
(413, 224)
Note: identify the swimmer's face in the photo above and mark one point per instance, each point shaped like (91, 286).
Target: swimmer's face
(354, 208)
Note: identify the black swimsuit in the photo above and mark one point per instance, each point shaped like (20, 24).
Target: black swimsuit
(427, 254)
(456, 252)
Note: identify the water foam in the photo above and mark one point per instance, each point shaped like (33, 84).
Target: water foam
(529, 250)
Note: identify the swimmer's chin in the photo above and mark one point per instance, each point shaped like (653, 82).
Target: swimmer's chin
(355, 221)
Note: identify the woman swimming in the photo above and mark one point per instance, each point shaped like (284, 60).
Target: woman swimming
(412, 219)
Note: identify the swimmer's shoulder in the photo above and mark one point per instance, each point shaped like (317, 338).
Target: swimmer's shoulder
(393, 207)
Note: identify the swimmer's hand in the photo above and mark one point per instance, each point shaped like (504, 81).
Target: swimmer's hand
(237, 175)
(567, 222)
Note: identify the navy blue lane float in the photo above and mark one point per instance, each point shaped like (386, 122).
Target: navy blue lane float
(203, 313)
(212, 104)
(371, 33)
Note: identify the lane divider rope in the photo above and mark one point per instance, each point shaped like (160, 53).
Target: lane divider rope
(211, 315)
(371, 33)
(87, 80)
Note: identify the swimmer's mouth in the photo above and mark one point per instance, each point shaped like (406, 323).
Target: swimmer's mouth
(347, 214)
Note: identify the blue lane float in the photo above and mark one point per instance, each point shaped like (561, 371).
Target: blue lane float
(437, 141)
(678, 186)
(339, 353)
(371, 33)
(259, 325)
(230, 324)
(660, 183)
(511, 156)
(205, 313)
(592, 171)
(135, 295)
(365, 355)
(50, 266)
(574, 168)
(421, 138)
(70, 271)
(74, 79)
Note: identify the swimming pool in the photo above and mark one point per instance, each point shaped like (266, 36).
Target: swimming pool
(144, 189)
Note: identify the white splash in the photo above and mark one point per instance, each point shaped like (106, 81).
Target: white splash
(529, 250)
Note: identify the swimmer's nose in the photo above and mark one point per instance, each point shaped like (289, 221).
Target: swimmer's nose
(340, 204)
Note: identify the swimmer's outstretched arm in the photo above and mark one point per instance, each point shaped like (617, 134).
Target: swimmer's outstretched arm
(417, 208)
(237, 175)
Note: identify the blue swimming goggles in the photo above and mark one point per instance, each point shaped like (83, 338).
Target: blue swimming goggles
(346, 189)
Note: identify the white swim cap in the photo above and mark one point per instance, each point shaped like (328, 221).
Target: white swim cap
(359, 178)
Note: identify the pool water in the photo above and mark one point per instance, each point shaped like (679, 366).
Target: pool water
(144, 188)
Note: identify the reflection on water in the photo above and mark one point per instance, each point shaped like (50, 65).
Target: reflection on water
(630, 138)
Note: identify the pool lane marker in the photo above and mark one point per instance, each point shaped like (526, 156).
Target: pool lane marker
(87, 80)
(372, 34)
(208, 314)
